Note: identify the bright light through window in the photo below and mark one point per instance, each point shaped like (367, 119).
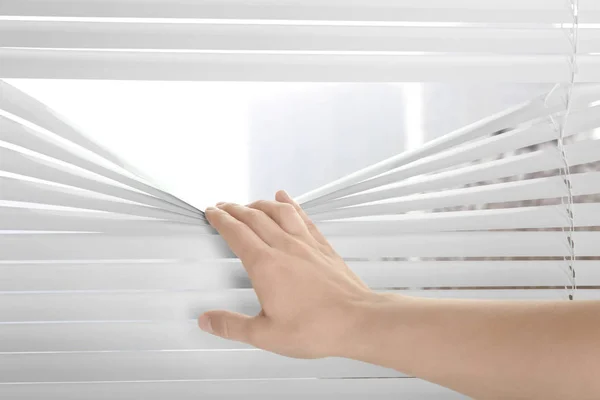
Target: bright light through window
(240, 141)
(190, 137)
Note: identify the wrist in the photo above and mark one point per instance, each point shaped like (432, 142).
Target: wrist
(370, 320)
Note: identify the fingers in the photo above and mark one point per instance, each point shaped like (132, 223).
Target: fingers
(241, 239)
(232, 326)
(285, 216)
(283, 197)
(260, 223)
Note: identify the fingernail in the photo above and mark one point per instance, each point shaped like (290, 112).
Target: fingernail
(220, 203)
(205, 324)
(286, 195)
(209, 209)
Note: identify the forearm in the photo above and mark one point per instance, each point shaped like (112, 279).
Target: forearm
(486, 349)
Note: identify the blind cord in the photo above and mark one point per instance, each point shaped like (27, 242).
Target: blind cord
(560, 127)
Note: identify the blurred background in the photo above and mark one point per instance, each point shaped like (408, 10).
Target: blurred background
(228, 141)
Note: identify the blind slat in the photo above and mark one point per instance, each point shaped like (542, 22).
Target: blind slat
(143, 366)
(333, 10)
(21, 218)
(227, 36)
(223, 275)
(552, 216)
(187, 306)
(276, 67)
(447, 244)
(151, 36)
(475, 220)
(294, 389)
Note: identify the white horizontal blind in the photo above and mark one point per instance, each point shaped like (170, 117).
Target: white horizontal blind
(298, 40)
(102, 274)
(83, 288)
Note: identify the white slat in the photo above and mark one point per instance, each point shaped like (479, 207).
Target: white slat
(293, 389)
(112, 247)
(17, 218)
(589, 12)
(512, 11)
(41, 193)
(23, 164)
(276, 67)
(308, 37)
(587, 215)
(542, 160)
(222, 275)
(164, 365)
(476, 220)
(109, 336)
(18, 247)
(157, 306)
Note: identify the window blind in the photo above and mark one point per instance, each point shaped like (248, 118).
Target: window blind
(331, 40)
(102, 273)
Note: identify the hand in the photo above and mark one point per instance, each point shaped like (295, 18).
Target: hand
(310, 298)
(313, 306)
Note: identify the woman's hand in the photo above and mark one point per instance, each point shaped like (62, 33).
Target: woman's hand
(314, 306)
(310, 299)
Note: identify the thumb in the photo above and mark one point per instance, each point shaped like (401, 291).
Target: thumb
(229, 325)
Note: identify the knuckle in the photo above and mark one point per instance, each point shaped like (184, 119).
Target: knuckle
(287, 209)
(258, 204)
(309, 223)
(253, 215)
(268, 206)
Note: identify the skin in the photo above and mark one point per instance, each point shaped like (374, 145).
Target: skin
(314, 306)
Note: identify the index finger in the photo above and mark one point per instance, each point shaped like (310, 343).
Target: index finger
(241, 239)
